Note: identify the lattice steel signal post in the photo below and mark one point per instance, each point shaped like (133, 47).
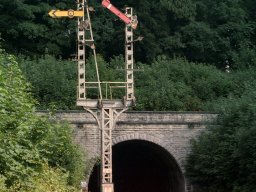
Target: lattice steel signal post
(105, 108)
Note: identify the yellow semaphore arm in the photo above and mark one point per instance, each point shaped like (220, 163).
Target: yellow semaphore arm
(69, 13)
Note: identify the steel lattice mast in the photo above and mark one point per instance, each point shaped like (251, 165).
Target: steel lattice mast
(129, 57)
(105, 109)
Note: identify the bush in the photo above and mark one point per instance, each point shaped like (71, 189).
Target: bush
(53, 81)
(28, 142)
(59, 150)
(49, 179)
(179, 85)
(223, 157)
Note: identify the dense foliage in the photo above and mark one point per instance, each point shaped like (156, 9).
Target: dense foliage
(216, 32)
(166, 84)
(56, 86)
(179, 85)
(223, 157)
(32, 149)
(53, 80)
(26, 28)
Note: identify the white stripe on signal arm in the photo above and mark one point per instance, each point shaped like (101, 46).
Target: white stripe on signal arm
(109, 6)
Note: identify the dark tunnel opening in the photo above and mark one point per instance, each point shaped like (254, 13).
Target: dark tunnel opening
(141, 166)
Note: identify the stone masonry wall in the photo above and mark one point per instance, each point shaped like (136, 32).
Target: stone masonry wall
(170, 130)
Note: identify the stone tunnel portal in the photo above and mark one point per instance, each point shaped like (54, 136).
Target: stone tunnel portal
(141, 166)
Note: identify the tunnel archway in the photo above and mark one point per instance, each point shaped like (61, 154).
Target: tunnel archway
(141, 166)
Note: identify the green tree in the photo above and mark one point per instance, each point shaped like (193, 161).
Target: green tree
(58, 148)
(179, 85)
(26, 28)
(222, 158)
(23, 135)
(53, 81)
(222, 32)
(216, 32)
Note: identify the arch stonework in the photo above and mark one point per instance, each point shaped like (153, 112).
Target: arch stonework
(149, 138)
